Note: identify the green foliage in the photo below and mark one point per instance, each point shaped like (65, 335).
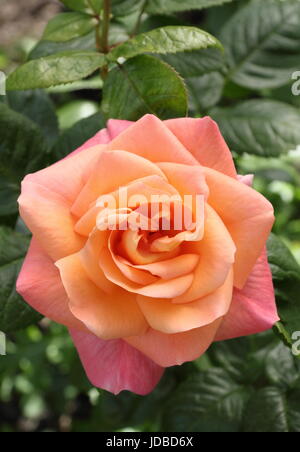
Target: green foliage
(67, 26)
(37, 106)
(210, 401)
(256, 390)
(169, 6)
(54, 70)
(143, 85)
(87, 6)
(263, 127)
(23, 149)
(262, 41)
(163, 40)
(14, 313)
(286, 275)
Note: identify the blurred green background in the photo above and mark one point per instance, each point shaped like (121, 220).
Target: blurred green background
(240, 385)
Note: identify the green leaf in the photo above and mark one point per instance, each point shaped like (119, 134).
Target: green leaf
(73, 138)
(171, 39)
(14, 312)
(208, 402)
(263, 127)
(22, 150)
(205, 91)
(67, 26)
(262, 41)
(88, 6)
(281, 368)
(286, 276)
(283, 264)
(37, 106)
(92, 83)
(143, 85)
(244, 358)
(49, 48)
(126, 7)
(196, 62)
(54, 70)
(168, 6)
(270, 411)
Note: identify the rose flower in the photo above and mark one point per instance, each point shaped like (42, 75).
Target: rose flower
(139, 299)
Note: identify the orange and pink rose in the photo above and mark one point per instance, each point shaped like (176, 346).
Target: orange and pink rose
(137, 301)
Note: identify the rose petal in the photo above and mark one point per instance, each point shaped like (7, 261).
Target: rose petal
(188, 180)
(160, 289)
(68, 176)
(107, 316)
(174, 349)
(117, 126)
(253, 308)
(47, 215)
(116, 366)
(248, 216)
(171, 268)
(150, 138)
(203, 139)
(134, 192)
(40, 285)
(169, 318)
(217, 255)
(113, 170)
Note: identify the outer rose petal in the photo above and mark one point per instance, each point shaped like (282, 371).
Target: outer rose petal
(151, 139)
(115, 365)
(40, 285)
(117, 126)
(48, 217)
(253, 309)
(174, 349)
(203, 139)
(248, 216)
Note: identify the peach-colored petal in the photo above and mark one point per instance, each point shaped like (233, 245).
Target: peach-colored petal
(192, 223)
(253, 308)
(116, 366)
(129, 196)
(188, 180)
(40, 285)
(90, 255)
(174, 349)
(106, 316)
(138, 276)
(150, 138)
(47, 215)
(203, 139)
(248, 216)
(171, 268)
(159, 289)
(113, 169)
(167, 317)
(217, 254)
(68, 176)
(129, 248)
